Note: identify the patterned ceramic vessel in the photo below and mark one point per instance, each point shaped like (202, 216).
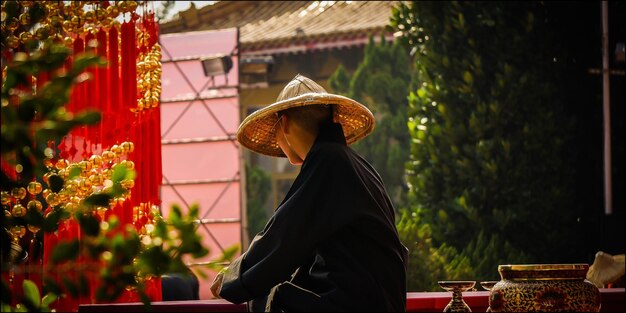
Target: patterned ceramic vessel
(544, 288)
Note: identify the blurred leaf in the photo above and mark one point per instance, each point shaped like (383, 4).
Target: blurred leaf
(154, 261)
(73, 171)
(230, 253)
(55, 182)
(21, 308)
(5, 307)
(175, 214)
(26, 110)
(88, 117)
(37, 12)
(34, 217)
(65, 251)
(70, 286)
(98, 199)
(31, 292)
(50, 286)
(119, 173)
(51, 220)
(89, 224)
(83, 62)
(48, 299)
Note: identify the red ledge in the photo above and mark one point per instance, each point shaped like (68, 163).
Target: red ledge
(612, 301)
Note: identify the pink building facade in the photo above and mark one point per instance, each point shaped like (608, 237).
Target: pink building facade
(201, 159)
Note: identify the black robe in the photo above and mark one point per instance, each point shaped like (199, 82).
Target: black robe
(331, 245)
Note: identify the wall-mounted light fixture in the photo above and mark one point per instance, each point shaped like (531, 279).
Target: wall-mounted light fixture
(217, 65)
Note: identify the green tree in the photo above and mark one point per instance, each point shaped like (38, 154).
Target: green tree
(258, 186)
(488, 171)
(381, 82)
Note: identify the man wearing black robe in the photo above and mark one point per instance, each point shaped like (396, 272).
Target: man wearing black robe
(331, 245)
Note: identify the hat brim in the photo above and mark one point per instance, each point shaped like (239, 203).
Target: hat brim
(256, 133)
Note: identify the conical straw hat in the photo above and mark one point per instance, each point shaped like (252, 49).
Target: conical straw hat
(606, 268)
(256, 131)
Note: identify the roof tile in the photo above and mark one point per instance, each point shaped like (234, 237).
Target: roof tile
(271, 24)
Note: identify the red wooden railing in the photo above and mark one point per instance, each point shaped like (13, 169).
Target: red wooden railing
(612, 301)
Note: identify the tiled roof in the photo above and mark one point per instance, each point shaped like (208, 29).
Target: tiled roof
(287, 25)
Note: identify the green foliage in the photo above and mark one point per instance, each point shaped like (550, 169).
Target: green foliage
(381, 82)
(32, 301)
(40, 116)
(489, 133)
(258, 186)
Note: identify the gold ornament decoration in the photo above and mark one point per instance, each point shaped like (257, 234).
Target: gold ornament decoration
(6, 198)
(68, 41)
(127, 183)
(34, 205)
(18, 210)
(48, 162)
(71, 188)
(43, 32)
(34, 188)
(67, 26)
(85, 167)
(13, 24)
(122, 5)
(113, 11)
(117, 150)
(71, 207)
(26, 37)
(128, 147)
(56, 21)
(33, 229)
(90, 17)
(96, 160)
(52, 199)
(13, 41)
(84, 185)
(132, 5)
(18, 193)
(18, 232)
(108, 156)
(62, 164)
(25, 19)
(96, 179)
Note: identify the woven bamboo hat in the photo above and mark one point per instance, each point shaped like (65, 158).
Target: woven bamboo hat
(257, 132)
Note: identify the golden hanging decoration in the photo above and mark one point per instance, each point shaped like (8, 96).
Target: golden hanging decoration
(61, 20)
(81, 179)
(149, 76)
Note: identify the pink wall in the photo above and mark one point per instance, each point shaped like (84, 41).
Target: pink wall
(201, 158)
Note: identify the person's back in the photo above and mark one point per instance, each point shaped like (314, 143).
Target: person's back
(331, 245)
(359, 262)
